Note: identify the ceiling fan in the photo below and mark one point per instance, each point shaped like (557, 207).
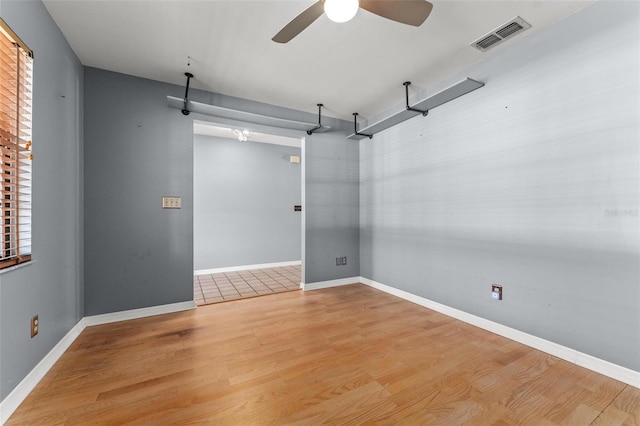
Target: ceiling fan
(410, 12)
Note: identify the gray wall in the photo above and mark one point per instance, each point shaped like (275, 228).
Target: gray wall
(243, 197)
(51, 285)
(530, 182)
(331, 205)
(137, 149)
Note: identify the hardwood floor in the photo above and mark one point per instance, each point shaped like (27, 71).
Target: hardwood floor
(345, 355)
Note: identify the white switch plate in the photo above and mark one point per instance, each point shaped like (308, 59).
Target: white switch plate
(171, 203)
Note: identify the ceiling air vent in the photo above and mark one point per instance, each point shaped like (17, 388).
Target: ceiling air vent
(500, 34)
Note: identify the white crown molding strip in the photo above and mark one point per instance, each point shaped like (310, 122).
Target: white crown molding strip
(24, 388)
(331, 283)
(589, 362)
(246, 267)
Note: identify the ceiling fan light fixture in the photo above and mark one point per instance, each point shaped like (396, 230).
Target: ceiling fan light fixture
(341, 10)
(242, 135)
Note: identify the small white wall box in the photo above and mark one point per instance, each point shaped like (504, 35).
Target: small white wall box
(496, 291)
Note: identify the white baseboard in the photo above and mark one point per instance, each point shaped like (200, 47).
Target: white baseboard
(138, 313)
(246, 267)
(332, 283)
(592, 363)
(24, 388)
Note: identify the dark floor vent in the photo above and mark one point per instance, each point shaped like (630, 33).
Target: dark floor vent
(501, 34)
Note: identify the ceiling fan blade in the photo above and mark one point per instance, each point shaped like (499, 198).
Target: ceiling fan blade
(299, 23)
(410, 12)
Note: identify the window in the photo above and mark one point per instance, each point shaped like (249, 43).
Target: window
(16, 65)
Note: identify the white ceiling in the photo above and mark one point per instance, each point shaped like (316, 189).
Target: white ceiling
(358, 66)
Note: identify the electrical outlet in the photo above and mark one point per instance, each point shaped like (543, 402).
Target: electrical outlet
(496, 291)
(35, 325)
(344, 260)
(338, 261)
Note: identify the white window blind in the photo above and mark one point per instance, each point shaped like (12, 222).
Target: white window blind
(16, 70)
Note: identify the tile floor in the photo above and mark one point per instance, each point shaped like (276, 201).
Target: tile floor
(221, 287)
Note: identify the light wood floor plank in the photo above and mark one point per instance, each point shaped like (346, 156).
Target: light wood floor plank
(624, 410)
(346, 355)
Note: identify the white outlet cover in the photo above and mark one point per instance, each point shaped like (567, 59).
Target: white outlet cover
(171, 202)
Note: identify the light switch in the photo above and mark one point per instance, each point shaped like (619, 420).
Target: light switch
(171, 203)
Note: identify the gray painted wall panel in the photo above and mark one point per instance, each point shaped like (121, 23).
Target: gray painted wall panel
(244, 193)
(52, 285)
(530, 182)
(136, 151)
(331, 206)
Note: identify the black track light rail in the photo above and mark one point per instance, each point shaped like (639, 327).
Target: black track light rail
(355, 127)
(410, 108)
(185, 111)
(319, 126)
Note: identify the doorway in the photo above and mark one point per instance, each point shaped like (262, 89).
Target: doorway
(247, 229)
